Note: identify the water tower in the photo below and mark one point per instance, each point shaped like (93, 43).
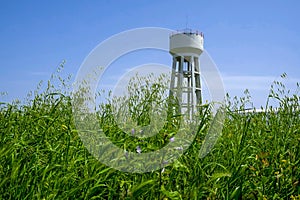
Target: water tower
(186, 47)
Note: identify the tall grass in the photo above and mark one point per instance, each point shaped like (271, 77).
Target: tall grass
(257, 157)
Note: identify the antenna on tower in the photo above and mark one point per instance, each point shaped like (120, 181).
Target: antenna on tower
(186, 21)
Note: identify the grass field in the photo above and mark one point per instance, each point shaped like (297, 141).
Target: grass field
(257, 156)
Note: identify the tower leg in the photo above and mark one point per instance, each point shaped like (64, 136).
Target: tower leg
(180, 83)
(198, 82)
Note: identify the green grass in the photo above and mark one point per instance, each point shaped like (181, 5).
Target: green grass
(257, 156)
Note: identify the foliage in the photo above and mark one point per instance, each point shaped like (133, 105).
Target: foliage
(257, 157)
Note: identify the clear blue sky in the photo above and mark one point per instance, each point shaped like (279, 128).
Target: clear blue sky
(252, 42)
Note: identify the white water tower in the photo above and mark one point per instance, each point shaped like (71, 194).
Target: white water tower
(186, 47)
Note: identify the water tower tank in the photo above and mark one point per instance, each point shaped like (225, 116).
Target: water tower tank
(187, 42)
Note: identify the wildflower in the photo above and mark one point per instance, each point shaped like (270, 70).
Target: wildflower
(138, 149)
(165, 162)
(132, 131)
(172, 139)
(265, 162)
(178, 148)
(126, 154)
(252, 168)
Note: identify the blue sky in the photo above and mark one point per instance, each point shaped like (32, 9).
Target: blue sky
(252, 42)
